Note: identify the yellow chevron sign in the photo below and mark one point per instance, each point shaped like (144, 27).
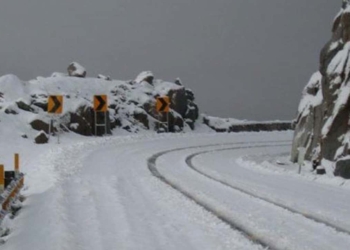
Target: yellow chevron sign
(55, 103)
(163, 104)
(100, 103)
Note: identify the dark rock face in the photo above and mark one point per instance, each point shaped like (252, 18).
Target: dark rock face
(24, 106)
(10, 111)
(323, 123)
(178, 101)
(81, 121)
(142, 118)
(39, 125)
(342, 168)
(41, 138)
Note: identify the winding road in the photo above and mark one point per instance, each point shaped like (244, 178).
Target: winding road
(178, 192)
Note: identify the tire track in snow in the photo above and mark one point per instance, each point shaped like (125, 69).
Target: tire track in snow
(189, 162)
(151, 162)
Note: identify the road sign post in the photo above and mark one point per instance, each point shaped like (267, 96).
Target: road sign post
(101, 106)
(55, 108)
(163, 106)
(16, 165)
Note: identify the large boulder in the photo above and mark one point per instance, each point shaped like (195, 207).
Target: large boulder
(76, 70)
(24, 106)
(40, 125)
(323, 126)
(145, 76)
(41, 138)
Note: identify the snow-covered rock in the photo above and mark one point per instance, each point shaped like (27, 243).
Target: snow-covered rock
(41, 138)
(323, 122)
(76, 70)
(145, 76)
(103, 77)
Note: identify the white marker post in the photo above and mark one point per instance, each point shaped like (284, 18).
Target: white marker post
(301, 157)
(2, 178)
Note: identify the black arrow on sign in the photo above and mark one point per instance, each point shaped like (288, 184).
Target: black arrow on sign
(56, 106)
(102, 103)
(164, 104)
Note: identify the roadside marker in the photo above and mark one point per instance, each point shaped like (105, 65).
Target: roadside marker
(163, 104)
(101, 107)
(2, 178)
(100, 103)
(55, 107)
(17, 164)
(55, 104)
(301, 158)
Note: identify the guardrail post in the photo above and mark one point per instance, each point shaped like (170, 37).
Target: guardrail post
(2, 178)
(16, 165)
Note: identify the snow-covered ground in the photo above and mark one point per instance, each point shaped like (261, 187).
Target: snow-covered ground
(98, 193)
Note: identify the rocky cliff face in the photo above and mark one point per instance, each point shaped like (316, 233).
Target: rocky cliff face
(323, 122)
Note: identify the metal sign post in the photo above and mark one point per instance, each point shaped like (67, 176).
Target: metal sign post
(16, 163)
(163, 106)
(100, 107)
(55, 107)
(104, 125)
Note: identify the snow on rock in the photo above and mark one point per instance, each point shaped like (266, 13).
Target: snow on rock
(323, 121)
(234, 125)
(131, 107)
(41, 138)
(103, 77)
(145, 76)
(75, 69)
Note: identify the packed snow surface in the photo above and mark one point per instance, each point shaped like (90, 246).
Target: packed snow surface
(98, 193)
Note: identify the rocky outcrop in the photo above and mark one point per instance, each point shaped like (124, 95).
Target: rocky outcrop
(131, 105)
(342, 168)
(81, 121)
(323, 122)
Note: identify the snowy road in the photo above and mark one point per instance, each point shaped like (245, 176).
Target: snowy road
(102, 195)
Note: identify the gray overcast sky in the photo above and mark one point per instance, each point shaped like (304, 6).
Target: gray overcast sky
(242, 58)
